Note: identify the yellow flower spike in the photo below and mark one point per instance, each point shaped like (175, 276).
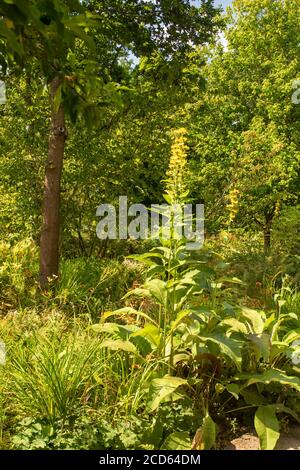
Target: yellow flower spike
(177, 164)
(277, 209)
(232, 207)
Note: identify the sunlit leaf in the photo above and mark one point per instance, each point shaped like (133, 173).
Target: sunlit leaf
(267, 427)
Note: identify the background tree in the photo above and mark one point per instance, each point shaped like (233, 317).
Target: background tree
(246, 128)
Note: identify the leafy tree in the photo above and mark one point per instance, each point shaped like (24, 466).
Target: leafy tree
(246, 129)
(50, 31)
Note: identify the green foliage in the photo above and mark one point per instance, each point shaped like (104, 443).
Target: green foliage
(86, 286)
(18, 270)
(245, 127)
(166, 348)
(51, 381)
(242, 344)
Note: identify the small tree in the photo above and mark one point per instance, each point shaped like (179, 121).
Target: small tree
(265, 169)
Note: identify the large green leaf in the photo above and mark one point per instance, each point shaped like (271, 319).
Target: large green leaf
(118, 345)
(280, 408)
(277, 326)
(180, 318)
(252, 397)
(291, 336)
(254, 319)
(235, 326)
(126, 311)
(162, 388)
(177, 441)
(123, 331)
(110, 328)
(209, 429)
(234, 389)
(149, 332)
(158, 290)
(182, 293)
(267, 427)
(261, 345)
(271, 375)
(147, 258)
(227, 346)
(205, 437)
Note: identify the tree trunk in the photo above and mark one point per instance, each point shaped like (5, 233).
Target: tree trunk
(49, 243)
(267, 240)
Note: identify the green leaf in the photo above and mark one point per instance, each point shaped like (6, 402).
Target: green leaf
(137, 292)
(181, 357)
(205, 437)
(13, 41)
(161, 389)
(167, 198)
(252, 397)
(291, 336)
(261, 345)
(127, 311)
(177, 441)
(123, 331)
(182, 293)
(234, 389)
(111, 328)
(267, 427)
(256, 319)
(209, 429)
(150, 332)
(231, 280)
(280, 408)
(180, 318)
(227, 346)
(234, 325)
(147, 258)
(271, 375)
(118, 345)
(158, 290)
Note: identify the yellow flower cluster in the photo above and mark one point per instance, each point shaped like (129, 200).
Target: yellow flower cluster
(233, 205)
(178, 160)
(277, 209)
